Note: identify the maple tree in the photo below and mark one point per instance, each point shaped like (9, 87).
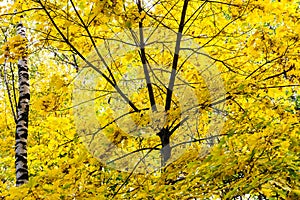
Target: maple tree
(210, 87)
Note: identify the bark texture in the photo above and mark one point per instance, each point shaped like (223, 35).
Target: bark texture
(22, 117)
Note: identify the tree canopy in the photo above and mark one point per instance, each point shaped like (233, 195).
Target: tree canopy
(181, 99)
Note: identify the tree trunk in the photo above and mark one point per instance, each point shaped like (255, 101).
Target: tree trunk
(165, 142)
(22, 117)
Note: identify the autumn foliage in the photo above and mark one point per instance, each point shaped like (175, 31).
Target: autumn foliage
(108, 122)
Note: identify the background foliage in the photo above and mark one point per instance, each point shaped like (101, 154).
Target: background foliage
(255, 46)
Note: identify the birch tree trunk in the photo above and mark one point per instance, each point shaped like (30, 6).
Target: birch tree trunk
(22, 117)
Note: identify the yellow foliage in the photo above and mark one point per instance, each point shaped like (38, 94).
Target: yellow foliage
(242, 142)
